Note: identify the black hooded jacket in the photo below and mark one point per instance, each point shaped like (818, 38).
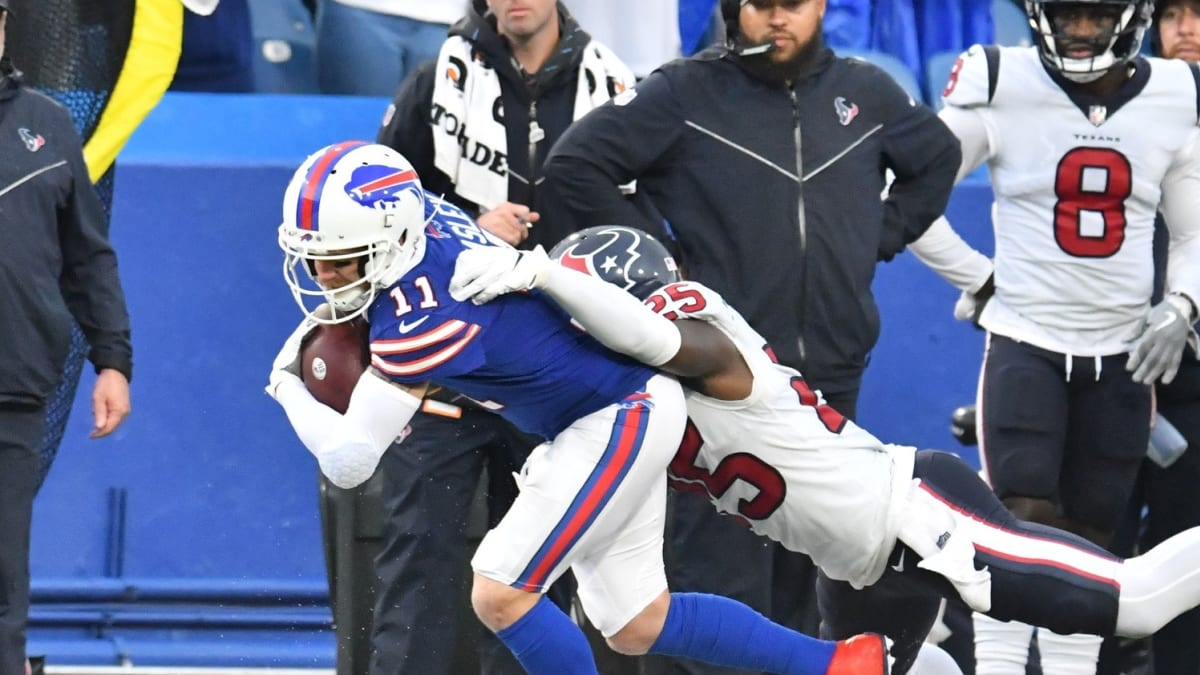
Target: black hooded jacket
(773, 191)
(56, 262)
(547, 96)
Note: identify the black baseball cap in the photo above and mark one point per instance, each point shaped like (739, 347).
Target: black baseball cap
(4, 5)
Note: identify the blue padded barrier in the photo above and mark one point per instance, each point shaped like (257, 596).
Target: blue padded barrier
(214, 557)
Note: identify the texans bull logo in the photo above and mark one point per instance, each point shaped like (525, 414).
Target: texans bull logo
(382, 186)
(613, 254)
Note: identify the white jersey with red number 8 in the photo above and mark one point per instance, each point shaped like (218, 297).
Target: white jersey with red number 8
(1077, 186)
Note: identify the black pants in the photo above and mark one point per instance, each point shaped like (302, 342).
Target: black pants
(1067, 430)
(1027, 585)
(20, 441)
(1172, 505)
(711, 553)
(429, 481)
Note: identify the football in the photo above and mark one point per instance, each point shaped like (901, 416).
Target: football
(332, 357)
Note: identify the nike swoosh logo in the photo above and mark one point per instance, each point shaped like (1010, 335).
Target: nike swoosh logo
(899, 566)
(410, 327)
(1167, 320)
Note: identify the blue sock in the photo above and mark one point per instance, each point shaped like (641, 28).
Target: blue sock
(725, 632)
(546, 642)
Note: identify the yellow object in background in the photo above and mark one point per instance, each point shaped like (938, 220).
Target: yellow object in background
(149, 67)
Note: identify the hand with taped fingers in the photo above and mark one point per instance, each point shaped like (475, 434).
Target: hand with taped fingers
(510, 222)
(482, 274)
(1158, 351)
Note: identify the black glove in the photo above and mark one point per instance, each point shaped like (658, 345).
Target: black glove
(962, 425)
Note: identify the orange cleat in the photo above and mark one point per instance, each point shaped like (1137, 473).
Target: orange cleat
(865, 654)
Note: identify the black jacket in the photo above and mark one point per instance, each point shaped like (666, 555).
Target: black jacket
(720, 153)
(547, 96)
(55, 262)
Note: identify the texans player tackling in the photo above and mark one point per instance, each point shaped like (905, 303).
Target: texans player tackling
(1084, 141)
(360, 234)
(907, 527)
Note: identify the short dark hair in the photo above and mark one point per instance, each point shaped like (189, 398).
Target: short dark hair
(1155, 32)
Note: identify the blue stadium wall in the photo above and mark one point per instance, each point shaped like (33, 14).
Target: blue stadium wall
(192, 535)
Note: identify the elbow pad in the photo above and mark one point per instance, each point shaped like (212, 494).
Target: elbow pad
(348, 447)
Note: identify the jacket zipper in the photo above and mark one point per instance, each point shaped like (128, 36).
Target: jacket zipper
(803, 223)
(536, 134)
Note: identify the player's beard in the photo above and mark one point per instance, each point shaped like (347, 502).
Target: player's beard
(765, 68)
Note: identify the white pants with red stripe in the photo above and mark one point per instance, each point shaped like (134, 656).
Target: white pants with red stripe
(594, 500)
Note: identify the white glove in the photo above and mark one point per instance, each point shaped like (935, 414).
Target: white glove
(484, 273)
(970, 305)
(287, 361)
(964, 307)
(1159, 349)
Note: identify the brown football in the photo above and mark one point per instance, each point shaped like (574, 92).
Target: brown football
(332, 357)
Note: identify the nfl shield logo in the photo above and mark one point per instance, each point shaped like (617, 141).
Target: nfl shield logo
(1097, 114)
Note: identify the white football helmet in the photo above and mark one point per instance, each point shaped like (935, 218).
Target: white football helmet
(1109, 51)
(353, 202)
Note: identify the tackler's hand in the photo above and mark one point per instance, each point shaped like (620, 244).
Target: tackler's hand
(1159, 349)
(482, 274)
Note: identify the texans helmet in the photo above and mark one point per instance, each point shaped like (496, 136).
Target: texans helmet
(622, 256)
(1131, 18)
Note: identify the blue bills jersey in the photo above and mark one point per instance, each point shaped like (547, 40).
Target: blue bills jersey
(518, 355)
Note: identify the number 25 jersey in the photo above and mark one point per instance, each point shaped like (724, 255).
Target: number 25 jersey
(1077, 184)
(790, 465)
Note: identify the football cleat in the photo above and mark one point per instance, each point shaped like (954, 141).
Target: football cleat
(865, 654)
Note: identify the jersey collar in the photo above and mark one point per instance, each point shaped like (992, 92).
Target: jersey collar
(1111, 103)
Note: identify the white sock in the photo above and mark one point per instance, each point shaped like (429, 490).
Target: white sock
(932, 660)
(1001, 647)
(1068, 654)
(1159, 585)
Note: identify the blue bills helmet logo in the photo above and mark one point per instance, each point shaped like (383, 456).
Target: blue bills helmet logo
(381, 186)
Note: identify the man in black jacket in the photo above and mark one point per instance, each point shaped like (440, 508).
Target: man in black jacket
(476, 125)
(55, 264)
(767, 157)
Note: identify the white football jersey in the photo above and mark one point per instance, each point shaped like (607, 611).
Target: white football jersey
(1077, 185)
(788, 464)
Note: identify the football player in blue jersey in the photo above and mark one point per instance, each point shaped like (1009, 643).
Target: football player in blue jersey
(361, 235)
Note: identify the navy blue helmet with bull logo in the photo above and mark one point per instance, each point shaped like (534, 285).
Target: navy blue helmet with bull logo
(622, 256)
